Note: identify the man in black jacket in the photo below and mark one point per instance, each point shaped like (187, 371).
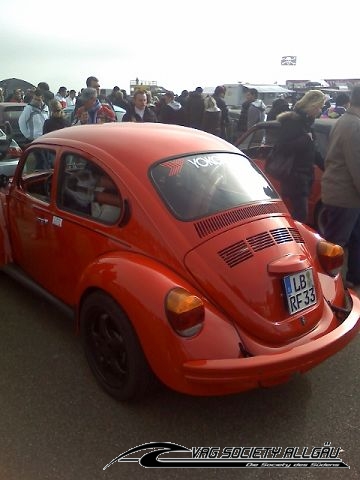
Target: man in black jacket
(250, 96)
(138, 111)
(194, 109)
(171, 111)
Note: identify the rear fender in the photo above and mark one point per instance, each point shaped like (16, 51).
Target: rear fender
(332, 287)
(140, 285)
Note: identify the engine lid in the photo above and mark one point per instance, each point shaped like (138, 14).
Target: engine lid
(262, 276)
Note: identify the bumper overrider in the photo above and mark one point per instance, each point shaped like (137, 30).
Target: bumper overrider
(221, 376)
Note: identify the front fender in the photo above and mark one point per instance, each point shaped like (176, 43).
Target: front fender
(139, 285)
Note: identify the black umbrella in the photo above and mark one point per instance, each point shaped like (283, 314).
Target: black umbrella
(10, 84)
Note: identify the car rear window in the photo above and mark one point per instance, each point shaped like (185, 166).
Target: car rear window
(203, 184)
(11, 115)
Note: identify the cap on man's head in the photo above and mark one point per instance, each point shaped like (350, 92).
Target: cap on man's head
(198, 90)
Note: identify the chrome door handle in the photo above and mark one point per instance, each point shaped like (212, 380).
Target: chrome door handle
(42, 220)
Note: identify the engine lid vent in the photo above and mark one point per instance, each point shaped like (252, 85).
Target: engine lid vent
(223, 220)
(236, 253)
(245, 249)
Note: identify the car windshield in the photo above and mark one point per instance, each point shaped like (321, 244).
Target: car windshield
(203, 184)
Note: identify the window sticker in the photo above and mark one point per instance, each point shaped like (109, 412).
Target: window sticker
(205, 161)
(175, 166)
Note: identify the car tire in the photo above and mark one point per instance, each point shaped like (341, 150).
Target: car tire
(113, 350)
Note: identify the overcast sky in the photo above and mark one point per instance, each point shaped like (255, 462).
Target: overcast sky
(179, 44)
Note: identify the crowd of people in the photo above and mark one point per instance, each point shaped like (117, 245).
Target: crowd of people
(341, 178)
(192, 109)
(340, 183)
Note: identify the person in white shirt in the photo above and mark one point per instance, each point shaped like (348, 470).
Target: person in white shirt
(61, 96)
(32, 118)
(70, 99)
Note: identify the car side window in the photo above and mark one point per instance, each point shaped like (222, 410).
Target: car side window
(37, 172)
(259, 143)
(87, 190)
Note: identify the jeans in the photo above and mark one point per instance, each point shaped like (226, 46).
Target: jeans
(342, 226)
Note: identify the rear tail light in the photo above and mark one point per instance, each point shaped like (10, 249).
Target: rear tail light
(185, 312)
(331, 257)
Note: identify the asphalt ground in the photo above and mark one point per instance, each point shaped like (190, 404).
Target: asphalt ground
(57, 424)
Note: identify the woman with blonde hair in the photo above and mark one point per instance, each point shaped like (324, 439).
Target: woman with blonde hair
(295, 141)
(311, 103)
(57, 118)
(211, 117)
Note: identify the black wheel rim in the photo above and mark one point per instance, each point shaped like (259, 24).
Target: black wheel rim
(107, 349)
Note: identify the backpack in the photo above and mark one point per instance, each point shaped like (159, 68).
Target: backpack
(279, 165)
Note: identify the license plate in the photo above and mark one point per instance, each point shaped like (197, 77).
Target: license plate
(300, 290)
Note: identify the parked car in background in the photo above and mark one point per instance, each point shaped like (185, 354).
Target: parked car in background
(10, 112)
(178, 261)
(10, 151)
(69, 113)
(258, 142)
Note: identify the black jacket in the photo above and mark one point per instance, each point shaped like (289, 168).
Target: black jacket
(172, 113)
(132, 116)
(243, 119)
(54, 123)
(194, 110)
(295, 139)
(220, 102)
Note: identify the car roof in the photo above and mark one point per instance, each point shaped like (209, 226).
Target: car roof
(7, 105)
(324, 124)
(141, 144)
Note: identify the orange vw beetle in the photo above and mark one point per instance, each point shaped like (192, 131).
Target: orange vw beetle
(176, 257)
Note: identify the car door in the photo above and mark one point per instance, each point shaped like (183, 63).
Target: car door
(63, 219)
(259, 141)
(87, 208)
(30, 214)
(257, 144)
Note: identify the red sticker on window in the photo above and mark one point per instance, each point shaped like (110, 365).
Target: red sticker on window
(175, 166)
